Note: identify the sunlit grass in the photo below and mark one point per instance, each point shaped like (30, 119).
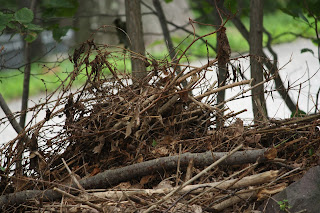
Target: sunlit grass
(47, 77)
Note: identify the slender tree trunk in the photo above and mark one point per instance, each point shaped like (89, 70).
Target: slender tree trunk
(83, 23)
(272, 67)
(222, 67)
(166, 35)
(26, 84)
(25, 98)
(135, 32)
(256, 32)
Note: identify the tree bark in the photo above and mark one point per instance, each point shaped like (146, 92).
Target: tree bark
(135, 32)
(222, 66)
(255, 42)
(167, 37)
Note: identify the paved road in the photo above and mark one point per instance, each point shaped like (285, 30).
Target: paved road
(300, 68)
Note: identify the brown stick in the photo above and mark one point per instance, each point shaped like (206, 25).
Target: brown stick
(241, 183)
(115, 176)
(216, 163)
(78, 199)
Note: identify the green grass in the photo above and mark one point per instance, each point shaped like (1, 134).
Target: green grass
(45, 77)
(42, 79)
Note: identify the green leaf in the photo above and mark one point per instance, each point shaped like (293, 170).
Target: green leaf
(311, 151)
(302, 16)
(2, 169)
(5, 18)
(24, 16)
(315, 41)
(33, 27)
(304, 50)
(298, 113)
(154, 143)
(2, 27)
(13, 26)
(59, 8)
(31, 36)
(168, 1)
(57, 33)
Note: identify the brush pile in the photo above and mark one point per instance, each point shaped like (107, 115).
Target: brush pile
(134, 140)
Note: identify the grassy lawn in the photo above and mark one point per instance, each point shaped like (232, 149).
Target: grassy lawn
(44, 79)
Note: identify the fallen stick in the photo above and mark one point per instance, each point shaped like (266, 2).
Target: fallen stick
(79, 199)
(179, 188)
(115, 176)
(251, 180)
(248, 194)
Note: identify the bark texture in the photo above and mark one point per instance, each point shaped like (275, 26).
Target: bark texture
(135, 32)
(256, 64)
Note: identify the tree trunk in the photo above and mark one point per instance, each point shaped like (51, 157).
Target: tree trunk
(166, 35)
(82, 21)
(255, 42)
(272, 67)
(135, 32)
(222, 65)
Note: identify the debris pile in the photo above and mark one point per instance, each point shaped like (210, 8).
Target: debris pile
(150, 145)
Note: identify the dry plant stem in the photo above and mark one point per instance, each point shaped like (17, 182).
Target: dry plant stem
(203, 105)
(71, 174)
(194, 71)
(78, 199)
(193, 179)
(251, 180)
(178, 167)
(263, 176)
(175, 98)
(233, 200)
(244, 91)
(223, 88)
(261, 192)
(112, 177)
(189, 170)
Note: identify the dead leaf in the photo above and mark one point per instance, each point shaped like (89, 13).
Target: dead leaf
(165, 184)
(140, 159)
(196, 208)
(271, 153)
(95, 171)
(123, 185)
(114, 146)
(129, 127)
(137, 116)
(146, 179)
(265, 193)
(253, 139)
(97, 149)
(184, 95)
(161, 151)
(238, 128)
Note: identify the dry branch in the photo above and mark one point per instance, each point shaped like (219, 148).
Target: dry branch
(252, 180)
(115, 176)
(179, 188)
